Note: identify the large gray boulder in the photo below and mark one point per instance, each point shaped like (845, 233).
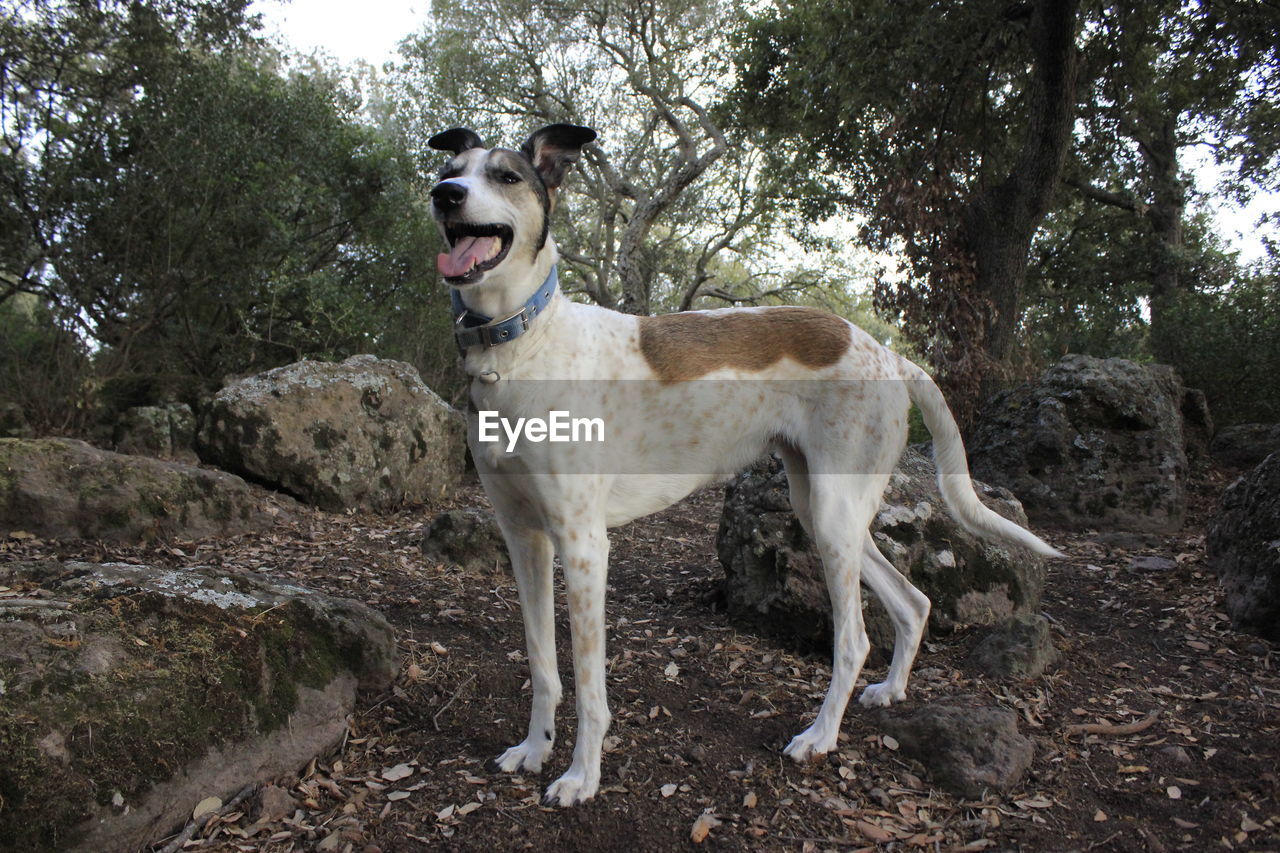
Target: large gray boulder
(128, 694)
(1094, 443)
(1243, 548)
(59, 488)
(773, 575)
(366, 433)
(1245, 445)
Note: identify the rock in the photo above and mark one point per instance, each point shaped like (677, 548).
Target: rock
(773, 576)
(1177, 754)
(968, 748)
(1243, 548)
(175, 685)
(274, 803)
(1245, 445)
(1197, 425)
(1095, 443)
(1151, 563)
(468, 538)
(166, 432)
(1020, 648)
(61, 488)
(13, 422)
(366, 433)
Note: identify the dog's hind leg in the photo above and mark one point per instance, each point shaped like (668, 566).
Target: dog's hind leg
(531, 560)
(842, 506)
(908, 610)
(797, 468)
(584, 552)
(907, 606)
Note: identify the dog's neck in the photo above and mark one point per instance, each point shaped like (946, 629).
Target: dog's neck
(502, 297)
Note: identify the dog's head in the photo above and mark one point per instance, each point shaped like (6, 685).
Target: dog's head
(493, 205)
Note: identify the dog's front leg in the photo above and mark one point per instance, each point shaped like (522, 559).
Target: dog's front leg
(584, 553)
(531, 560)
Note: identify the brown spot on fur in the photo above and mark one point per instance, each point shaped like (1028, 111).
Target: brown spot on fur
(691, 344)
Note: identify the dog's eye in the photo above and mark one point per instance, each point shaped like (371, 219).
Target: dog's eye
(509, 177)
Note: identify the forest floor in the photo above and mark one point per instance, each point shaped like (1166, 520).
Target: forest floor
(702, 709)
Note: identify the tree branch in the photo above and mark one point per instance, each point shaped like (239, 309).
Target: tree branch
(1123, 201)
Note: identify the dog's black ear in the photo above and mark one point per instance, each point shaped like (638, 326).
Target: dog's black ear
(554, 149)
(457, 140)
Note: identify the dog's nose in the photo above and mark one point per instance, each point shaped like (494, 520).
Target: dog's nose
(448, 195)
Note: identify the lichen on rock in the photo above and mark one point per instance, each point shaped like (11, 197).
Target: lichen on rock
(365, 433)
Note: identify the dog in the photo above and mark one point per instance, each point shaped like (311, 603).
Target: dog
(706, 393)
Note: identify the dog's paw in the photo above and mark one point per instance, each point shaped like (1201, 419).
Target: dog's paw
(571, 789)
(810, 744)
(524, 756)
(881, 695)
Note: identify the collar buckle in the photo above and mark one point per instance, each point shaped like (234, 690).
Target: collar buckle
(489, 332)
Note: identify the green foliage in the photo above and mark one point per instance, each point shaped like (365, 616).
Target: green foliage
(1228, 345)
(194, 206)
(44, 370)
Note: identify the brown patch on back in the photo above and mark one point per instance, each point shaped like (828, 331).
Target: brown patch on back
(689, 345)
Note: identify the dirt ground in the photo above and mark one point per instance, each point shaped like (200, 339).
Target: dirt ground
(702, 710)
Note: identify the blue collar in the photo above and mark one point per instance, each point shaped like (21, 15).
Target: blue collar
(474, 329)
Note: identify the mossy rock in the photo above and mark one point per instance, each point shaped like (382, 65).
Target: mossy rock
(774, 579)
(363, 434)
(65, 489)
(145, 690)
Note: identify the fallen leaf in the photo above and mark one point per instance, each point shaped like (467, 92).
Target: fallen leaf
(1034, 803)
(1247, 825)
(703, 826)
(469, 808)
(395, 774)
(1185, 824)
(208, 804)
(873, 832)
(750, 800)
(397, 795)
(671, 670)
(445, 813)
(1099, 816)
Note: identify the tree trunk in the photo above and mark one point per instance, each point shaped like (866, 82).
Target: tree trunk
(1000, 221)
(1165, 215)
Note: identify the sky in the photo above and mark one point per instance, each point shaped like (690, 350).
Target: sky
(367, 29)
(370, 30)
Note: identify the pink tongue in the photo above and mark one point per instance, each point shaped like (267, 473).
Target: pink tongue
(465, 254)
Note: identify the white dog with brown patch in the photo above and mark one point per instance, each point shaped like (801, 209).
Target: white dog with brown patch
(686, 399)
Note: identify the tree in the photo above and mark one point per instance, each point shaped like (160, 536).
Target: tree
(1167, 77)
(189, 204)
(944, 125)
(67, 70)
(671, 209)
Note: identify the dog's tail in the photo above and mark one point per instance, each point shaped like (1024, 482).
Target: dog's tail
(953, 470)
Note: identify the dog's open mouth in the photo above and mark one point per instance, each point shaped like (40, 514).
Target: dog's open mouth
(473, 249)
